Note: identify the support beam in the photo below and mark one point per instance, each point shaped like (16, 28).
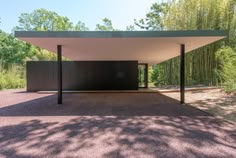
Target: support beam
(146, 75)
(59, 74)
(182, 72)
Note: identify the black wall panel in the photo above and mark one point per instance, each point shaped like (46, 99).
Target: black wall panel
(83, 75)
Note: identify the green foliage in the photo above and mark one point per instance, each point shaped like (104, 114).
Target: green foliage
(158, 77)
(13, 57)
(226, 58)
(13, 77)
(203, 66)
(130, 28)
(80, 26)
(230, 86)
(150, 73)
(106, 26)
(154, 19)
(13, 51)
(43, 20)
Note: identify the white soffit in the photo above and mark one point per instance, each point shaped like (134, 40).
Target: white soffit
(151, 47)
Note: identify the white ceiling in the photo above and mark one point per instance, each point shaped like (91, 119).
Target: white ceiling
(145, 50)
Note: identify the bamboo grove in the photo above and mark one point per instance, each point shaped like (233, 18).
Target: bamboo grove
(206, 65)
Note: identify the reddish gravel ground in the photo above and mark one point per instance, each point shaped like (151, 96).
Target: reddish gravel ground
(109, 125)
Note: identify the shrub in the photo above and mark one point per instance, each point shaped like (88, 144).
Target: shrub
(227, 66)
(13, 77)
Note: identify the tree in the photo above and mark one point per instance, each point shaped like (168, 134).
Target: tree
(154, 19)
(106, 26)
(130, 28)
(13, 51)
(43, 20)
(80, 26)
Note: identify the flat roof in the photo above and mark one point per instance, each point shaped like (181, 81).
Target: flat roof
(151, 47)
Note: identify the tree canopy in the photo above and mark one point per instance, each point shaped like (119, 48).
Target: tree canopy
(106, 26)
(44, 20)
(80, 26)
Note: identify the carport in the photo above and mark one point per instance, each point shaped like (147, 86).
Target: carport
(146, 47)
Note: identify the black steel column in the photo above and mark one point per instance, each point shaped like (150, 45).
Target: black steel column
(182, 72)
(59, 74)
(146, 75)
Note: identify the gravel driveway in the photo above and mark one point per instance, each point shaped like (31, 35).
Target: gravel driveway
(109, 125)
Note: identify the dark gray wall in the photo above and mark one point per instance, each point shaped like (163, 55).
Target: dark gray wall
(83, 75)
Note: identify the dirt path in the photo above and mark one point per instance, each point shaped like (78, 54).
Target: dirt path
(214, 101)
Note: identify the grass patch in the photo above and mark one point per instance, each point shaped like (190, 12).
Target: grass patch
(230, 86)
(13, 77)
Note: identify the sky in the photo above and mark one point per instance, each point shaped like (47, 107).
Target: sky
(91, 12)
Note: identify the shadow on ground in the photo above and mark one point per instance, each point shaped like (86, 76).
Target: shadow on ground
(112, 125)
(221, 106)
(102, 104)
(102, 136)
